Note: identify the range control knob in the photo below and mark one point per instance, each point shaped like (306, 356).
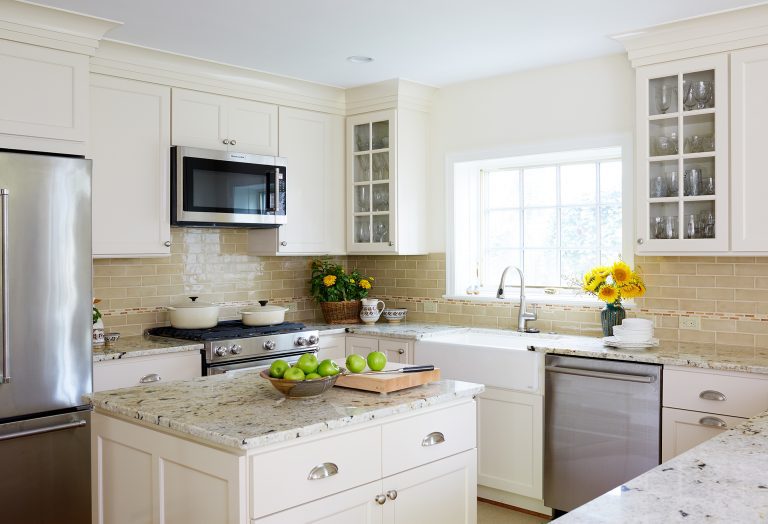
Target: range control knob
(235, 349)
(301, 341)
(269, 345)
(220, 351)
(313, 339)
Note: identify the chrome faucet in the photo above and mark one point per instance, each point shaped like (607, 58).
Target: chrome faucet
(523, 316)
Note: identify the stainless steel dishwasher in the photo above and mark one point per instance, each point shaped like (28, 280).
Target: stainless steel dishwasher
(602, 424)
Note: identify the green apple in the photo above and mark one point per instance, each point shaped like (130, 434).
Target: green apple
(312, 376)
(307, 363)
(278, 368)
(355, 363)
(328, 368)
(377, 360)
(294, 374)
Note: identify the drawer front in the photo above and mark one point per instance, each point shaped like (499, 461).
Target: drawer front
(682, 430)
(113, 374)
(425, 438)
(281, 479)
(734, 395)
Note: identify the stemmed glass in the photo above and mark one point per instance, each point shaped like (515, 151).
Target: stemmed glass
(689, 102)
(664, 96)
(702, 91)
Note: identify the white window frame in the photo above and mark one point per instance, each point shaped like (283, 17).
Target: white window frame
(460, 166)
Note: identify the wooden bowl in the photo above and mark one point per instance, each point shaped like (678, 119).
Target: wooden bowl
(302, 388)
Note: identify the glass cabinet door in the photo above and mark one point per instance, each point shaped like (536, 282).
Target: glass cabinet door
(682, 175)
(371, 184)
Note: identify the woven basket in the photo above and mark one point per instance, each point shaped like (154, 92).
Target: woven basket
(347, 312)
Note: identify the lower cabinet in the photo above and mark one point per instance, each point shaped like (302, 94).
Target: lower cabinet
(397, 350)
(135, 371)
(682, 430)
(332, 346)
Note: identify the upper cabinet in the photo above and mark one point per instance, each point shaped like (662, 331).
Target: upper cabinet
(386, 182)
(130, 148)
(682, 152)
(313, 144)
(224, 123)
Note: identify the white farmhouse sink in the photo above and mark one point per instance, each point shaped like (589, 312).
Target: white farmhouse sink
(496, 359)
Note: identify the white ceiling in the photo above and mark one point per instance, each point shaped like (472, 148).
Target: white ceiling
(435, 42)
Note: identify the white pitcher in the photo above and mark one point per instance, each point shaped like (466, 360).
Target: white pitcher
(370, 312)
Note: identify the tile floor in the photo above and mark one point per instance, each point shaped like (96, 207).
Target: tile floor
(490, 514)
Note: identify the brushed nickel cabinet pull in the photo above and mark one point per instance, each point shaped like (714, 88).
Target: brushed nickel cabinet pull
(433, 439)
(711, 394)
(713, 421)
(324, 470)
(148, 379)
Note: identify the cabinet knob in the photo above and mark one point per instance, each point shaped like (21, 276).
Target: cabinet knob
(391, 244)
(167, 243)
(233, 142)
(401, 351)
(392, 494)
(380, 498)
(283, 243)
(225, 141)
(640, 241)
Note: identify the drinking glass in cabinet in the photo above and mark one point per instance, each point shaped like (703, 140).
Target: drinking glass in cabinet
(702, 93)
(380, 134)
(662, 94)
(659, 187)
(666, 145)
(664, 227)
(362, 168)
(381, 197)
(689, 102)
(699, 144)
(692, 182)
(381, 228)
(700, 225)
(380, 166)
(665, 96)
(362, 137)
(362, 230)
(708, 185)
(362, 199)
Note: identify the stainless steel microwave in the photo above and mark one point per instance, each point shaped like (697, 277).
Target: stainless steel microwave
(226, 189)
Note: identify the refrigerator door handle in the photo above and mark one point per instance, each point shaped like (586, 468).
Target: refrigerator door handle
(38, 431)
(6, 374)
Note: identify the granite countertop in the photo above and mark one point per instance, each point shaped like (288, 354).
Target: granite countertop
(722, 480)
(243, 410)
(141, 346)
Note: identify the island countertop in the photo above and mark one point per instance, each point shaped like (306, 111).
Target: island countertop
(243, 410)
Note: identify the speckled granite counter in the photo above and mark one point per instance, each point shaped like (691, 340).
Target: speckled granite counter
(244, 411)
(722, 480)
(138, 346)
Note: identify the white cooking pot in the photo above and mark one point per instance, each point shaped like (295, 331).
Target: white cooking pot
(263, 315)
(194, 315)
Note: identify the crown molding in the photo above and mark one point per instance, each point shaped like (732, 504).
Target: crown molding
(389, 94)
(44, 26)
(714, 33)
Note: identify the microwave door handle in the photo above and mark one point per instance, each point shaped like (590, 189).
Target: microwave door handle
(275, 190)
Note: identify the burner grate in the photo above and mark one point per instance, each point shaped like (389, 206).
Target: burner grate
(225, 330)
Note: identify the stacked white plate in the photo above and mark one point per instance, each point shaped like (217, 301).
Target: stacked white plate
(631, 334)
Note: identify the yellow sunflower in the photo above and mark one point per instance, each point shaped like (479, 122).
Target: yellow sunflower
(365, 284)
(593, 279)
(608, 293)
(621, 273)
(329, 280)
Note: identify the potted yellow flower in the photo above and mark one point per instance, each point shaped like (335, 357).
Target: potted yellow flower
(611, 284)
(338, 292)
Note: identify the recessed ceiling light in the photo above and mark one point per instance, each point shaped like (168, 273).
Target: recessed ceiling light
(359, 59)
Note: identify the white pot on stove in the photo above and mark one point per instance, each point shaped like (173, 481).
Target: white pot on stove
(263, 315)
(194, 315)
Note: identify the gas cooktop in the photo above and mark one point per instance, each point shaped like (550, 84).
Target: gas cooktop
(225, 330)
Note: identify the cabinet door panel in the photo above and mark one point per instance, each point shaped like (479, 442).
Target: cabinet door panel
(396, 350)
(749, 110)
(253, 125)
(682, 430)
(129, 145)
(44, 92)
(313, 143)
(199, 120)
(332, 346)
(362, 345)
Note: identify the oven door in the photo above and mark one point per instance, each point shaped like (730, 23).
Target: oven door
(255, 364)
(230, 189)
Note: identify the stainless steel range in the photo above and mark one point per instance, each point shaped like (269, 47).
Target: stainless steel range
(231, 345)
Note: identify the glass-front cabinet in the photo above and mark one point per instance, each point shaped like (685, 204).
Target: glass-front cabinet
(682, 150)
(372, 180)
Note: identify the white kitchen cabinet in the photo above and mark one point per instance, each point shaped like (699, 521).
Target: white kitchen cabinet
(749, 111)
(510, 439)
(387, 167)
(313, 144)
(43, 99)
(396, 350)
(136, 371)
(682, 178)
(700, 404)
(223, 123)
(332, 346)
(130, 147)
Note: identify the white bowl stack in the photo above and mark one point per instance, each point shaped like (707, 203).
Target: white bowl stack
(634, 331)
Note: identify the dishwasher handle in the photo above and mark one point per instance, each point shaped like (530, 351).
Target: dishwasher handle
(646, 379)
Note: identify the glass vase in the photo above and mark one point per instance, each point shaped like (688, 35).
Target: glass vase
(611, 315)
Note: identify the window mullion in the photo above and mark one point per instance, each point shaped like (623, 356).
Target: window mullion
(598, 240)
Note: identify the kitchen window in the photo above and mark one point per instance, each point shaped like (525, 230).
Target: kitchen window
(553, 215)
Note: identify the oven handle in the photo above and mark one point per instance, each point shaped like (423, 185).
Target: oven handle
(256, 364)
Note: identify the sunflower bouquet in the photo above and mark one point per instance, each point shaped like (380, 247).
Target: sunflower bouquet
(331, 283)
(613, 283)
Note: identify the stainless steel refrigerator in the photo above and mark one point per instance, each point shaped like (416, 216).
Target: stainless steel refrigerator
(45, 334)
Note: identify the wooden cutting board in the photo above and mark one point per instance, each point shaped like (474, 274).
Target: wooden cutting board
(388, 382)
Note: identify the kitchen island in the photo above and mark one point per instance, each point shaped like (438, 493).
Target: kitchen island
(229, 448)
